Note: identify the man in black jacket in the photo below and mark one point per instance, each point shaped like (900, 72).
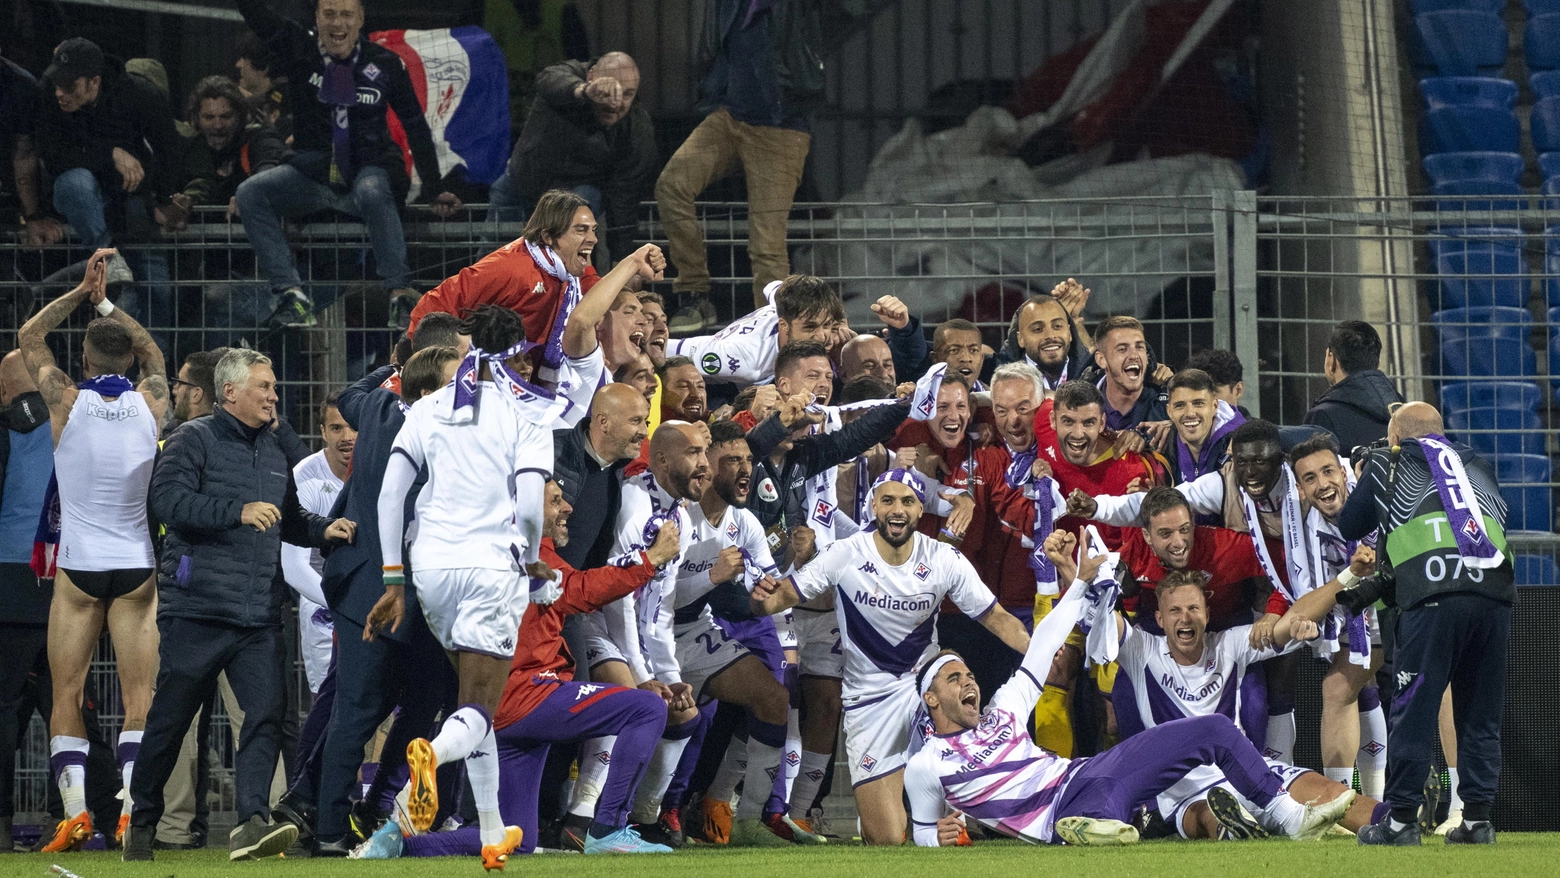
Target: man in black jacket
(224, 489)
(588, 463)
(343, 158)
(1358, 405)
(584, 133)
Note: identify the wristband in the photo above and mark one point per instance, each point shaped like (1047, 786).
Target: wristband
(104, 308)
(395, 575)
(1347, 578)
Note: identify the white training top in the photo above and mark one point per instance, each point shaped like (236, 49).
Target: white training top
(579, 379)
(103, 465)
(742, 353)
(887, 614)
(1165, 690)
(318, 489)
(466, 511)
(641, 623)
(737, 527)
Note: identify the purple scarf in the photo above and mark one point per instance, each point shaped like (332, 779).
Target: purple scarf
(550, 263)
(107, 386)
(1460, 502)
(338, 90)
(1020, 475)
(536, 404)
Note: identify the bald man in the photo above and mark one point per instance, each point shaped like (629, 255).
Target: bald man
(585, 134)
(1438, 513)
(866, 356)
(588, 462)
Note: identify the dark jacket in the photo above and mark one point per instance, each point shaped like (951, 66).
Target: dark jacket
(131, 114)
(790, 75)
(353, 579)
(563, 146)
(212, 177)
(810, 456)
(912, 355)
(213, 567)
(1356, 409)
(595, 492)
(382, 83)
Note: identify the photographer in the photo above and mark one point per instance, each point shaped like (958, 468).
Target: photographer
(1442, 543)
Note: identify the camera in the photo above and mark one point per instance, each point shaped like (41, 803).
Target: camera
(1358, 453)
(1367, 591)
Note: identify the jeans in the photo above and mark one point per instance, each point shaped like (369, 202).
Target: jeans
(507, 205)
(268, 198)
(79, 198)
(771, 158)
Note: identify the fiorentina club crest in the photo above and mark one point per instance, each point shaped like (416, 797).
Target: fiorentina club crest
(868, 763)
(731, 530)
(922, 571)
(1473, 531)
(823, 512)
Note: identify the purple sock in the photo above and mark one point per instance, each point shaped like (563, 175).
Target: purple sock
(463, 842)
(1370, 698)
(1380, 812)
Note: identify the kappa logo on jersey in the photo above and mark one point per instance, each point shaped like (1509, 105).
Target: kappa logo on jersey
(922, 571)
(868, 763)
(1405, 679)
(710, 363)
(869, 568)
(767, 491)
(587, 690)
(823, 512)
(507, 644)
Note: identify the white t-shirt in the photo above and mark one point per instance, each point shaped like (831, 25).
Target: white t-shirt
(466, 511)
(888, 615)
(737, 527)
(742, 353)
(579, 379)
(1165, 690)
(103, 466)
(641, 623)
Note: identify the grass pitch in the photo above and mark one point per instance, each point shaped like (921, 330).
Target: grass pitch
(1516, 854)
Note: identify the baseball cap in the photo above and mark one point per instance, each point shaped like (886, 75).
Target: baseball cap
(75, 58)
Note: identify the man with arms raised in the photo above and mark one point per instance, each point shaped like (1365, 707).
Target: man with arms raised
(984, 764)
(105, 442)
(802, 308)
(888, 584)
(1133, 401)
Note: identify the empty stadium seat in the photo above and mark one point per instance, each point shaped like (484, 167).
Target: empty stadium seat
(1538, 7)
(1540, 42)
(1453, 238)
(1524, 482)
(1545, 83)
(1549, 165)
(1436, 5)
(1480, 273)
(1464, 42)
(1469, 129)
(1465, 188)
(1535, 570)
(1468, 91)
(1498, 431)
(1545, 125)
(1552, 276)
(1463, 395)
(1486, 342)
(1447, 167)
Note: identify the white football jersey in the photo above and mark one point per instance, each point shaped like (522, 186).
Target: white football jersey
(466, 511)
(887, 614)
(742, 353)
(641, 623)
(737, 527)
(1165, 690)
(579, 380)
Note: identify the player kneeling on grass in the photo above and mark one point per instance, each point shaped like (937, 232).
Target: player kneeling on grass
(985, 765)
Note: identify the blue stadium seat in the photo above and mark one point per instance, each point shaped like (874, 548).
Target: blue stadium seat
(1538, 7)
(1545, 124)
(1468, 91)
(1469, 129)
(1459, 396)
(1552, 275)
(1464, 42)
(1436, 5)
(1545, 83)
(1549, 164)
(1499, 167)
(1455, 238)
(1524, 483)
(1535, 570)
(1486, 342)
(1541, 42)
(1498, 431)
(1460, 270)
(1465, 188)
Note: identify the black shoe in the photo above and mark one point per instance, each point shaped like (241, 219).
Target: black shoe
(1482, 832)
(362, 820)
(340, 847)
(138, 845)
(290, 810)
(550, 837)
(575, 829)
(255, 839)
(659, 833)
(158, 845)
(299, 850)
(1383, 834)
(1427, 811)
(1235, 821)
(293, 310)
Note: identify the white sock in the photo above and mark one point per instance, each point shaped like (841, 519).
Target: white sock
(732, 767)
(657, 777)
(793, 750)
(1284, 814)
(1280, 743)
(763, 763)
(1373, 782)
(595, 761)
(128, 768)
(1457, 802)
(73, 778)
(1372, 758)
(482, 772)
(462, 731)
(808, 780)
(1344, 776)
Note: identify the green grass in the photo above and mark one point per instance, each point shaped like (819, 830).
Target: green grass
(1516, 854)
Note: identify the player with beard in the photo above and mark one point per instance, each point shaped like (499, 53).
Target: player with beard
(1123, 371)
(630, 642)
(731, 656)
(1046, 334)
(888, 583)
(683, 396)
(802, 308)
(320, 478)
(982, 764)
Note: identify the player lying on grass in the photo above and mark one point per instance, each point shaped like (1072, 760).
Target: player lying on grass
(985, 765)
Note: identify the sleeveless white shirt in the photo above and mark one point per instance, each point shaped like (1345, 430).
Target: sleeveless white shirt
(103, 465)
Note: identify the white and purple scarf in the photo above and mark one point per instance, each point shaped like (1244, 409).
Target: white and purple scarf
(1225, 420)
(548, 261)
(1338, 621)
(535, 404)
(1292, 525)
(924, 404)
(1461, 503)
(1020, 476)
(1101, 640)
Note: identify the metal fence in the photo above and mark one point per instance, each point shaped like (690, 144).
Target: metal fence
(1267, 278)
